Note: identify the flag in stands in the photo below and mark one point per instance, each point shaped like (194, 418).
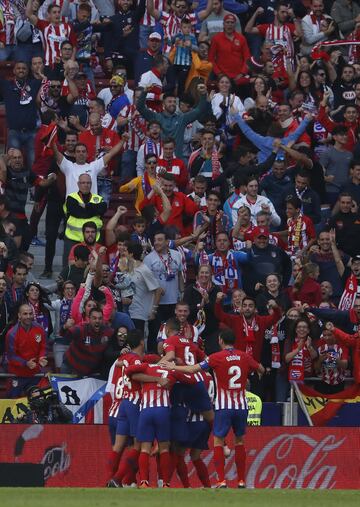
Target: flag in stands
(323, 407)
(86, 398)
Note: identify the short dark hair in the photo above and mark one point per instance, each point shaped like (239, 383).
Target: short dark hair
(99, 102)
(81, 252)
(123, 236)
(339, 129)
(135, 249)
(200, 178)
(227, 336)
(213, 192)
(134, 338)
(89, 225)
(173, 324)
(354, 163)
(65, 42)
(96, 309)
(303, 173)
(294, 201)
(139, 220)
(20, 265)
(150, 155)
(169, 140)
(168, 177)
(81, 144)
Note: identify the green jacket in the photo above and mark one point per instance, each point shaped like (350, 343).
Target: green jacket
(173, 125)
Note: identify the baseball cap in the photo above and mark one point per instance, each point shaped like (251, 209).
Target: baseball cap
(155, 35)
(260, 231)
(356, 258)
(230, 17)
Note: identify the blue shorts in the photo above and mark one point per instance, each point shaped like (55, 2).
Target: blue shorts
(199, 433)
(154, 424)
(179, 425)
(112, 422)
(196, 397)
(226, 419)
(127, 418)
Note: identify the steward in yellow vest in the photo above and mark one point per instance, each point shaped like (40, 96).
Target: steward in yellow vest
(81, 207)
(254, 409)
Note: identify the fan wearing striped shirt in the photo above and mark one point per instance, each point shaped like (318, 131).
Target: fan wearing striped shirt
(230, 368)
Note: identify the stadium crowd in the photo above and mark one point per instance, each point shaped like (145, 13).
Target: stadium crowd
(234, 128)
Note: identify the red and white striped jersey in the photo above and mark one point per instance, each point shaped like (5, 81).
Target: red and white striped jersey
(153, 395)
(114, 386)
(131, 388)
(231, 368)
(53, 37)
(136, 127)
(279, 36)
(7, 23)
(148, 20)
(172, 26)
(186, 351)
(330, 373)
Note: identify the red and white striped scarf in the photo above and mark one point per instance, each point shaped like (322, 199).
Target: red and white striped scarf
(348, 296)
(215, 161)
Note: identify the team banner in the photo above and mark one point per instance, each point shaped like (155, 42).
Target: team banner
(86, 398)
(277, 457)
(10, 410)
(322, 408)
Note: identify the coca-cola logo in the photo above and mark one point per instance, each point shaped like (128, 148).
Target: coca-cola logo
(285, 462)
(55, 461)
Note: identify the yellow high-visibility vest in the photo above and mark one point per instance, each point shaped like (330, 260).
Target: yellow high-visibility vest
(74, 225)
(254, 409)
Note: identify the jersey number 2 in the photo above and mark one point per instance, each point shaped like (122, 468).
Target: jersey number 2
(235, 373)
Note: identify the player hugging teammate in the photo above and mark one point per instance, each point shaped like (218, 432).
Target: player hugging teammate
(164, 406)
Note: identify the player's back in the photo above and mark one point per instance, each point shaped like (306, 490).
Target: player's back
(186, 351)
(153, 394)
(131, 389)
(231, 368)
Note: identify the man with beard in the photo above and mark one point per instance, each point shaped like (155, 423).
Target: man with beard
(330, 260)
(88, 341)
(172, 123)
(218, 221)
(264, 259)
(347, 226)
(89, 230)
(182, 312)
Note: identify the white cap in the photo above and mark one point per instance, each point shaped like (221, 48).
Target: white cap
(155, 35)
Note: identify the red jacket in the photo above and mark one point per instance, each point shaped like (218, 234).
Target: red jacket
(21, 346)
(236, 323)
(180, 206)
(309, 293)
(176, 167)
(229, 56)
(330, 124)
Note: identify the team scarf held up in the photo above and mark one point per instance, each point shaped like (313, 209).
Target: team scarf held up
(353, 42)
(249, 332)
(296, 233)
(224, 270)
(347, 299)
(275, 348)
(215, 162)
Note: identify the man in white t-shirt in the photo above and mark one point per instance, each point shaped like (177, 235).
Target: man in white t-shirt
(72, 170)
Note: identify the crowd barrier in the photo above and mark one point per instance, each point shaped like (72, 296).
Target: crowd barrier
(278, 457)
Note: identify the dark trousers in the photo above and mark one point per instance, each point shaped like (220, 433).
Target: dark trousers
(181, 72)
(54, 216)
(164, 313)
(139, 324)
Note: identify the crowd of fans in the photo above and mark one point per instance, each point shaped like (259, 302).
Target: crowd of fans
(235, 125)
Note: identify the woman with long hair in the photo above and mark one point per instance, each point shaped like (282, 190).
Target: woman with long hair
(201, 297)
(271, 290)
(37, 299)
(299, 351)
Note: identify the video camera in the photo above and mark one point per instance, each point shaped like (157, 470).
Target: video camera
(40, 399)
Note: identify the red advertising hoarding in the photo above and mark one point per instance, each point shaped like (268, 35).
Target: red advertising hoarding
(278, 457)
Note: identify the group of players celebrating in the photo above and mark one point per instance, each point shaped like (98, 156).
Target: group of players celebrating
(165, 406)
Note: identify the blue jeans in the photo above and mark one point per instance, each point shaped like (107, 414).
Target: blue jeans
(105, 188)
(128, 165)
(18, 139)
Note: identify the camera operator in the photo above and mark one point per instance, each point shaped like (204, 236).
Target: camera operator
(45, 408)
